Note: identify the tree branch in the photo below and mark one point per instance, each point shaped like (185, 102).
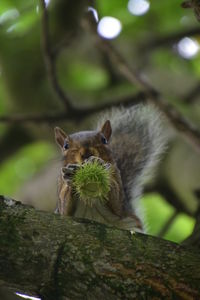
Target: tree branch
(167, 192)
(57, 257)
(195, 5)
(192, 95)
(51, 61)
(193, 239)
(191, 133)
(168, 40)
(78, 114)
(168, 224)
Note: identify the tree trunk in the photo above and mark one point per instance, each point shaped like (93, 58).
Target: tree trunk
(57, 257)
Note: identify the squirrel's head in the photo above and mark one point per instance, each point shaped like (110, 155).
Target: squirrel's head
(79, 146)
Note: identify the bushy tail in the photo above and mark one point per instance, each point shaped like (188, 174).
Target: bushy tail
(137, 142)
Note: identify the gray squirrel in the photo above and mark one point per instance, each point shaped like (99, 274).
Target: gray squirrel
(131, 140)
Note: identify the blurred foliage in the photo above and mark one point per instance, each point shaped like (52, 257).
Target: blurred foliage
(23, 165)
(179, 229)
(87, 77)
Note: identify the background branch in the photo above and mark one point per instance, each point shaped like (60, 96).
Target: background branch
(78, 114)
(193, 239)
(167, 40)
(191, 133)
(195, 5)
(166, 191)
(168, 224)
(50, 60)
(73, 113)
(192, 96)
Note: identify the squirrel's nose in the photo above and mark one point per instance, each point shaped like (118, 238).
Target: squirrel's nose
(86, 154)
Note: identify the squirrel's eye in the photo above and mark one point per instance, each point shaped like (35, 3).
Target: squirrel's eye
(66, 145)
(104, 140)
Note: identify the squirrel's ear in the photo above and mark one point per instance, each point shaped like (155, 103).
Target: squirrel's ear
(106, 129)
(60, 136)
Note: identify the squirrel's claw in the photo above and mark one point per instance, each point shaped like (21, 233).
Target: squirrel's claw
(92, 159)
(68, 171)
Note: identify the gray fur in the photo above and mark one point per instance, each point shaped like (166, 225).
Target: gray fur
(137, 142)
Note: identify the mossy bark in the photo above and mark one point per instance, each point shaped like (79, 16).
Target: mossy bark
(59, 257)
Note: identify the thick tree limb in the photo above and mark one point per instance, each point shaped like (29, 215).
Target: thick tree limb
(60, 258)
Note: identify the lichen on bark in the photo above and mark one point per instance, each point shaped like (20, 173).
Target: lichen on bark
(57, 257)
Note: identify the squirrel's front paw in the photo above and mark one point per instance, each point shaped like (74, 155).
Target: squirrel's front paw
(99, 160)
(69, 171)
(92, 159)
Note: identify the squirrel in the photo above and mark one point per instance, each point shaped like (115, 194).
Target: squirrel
(131, 141)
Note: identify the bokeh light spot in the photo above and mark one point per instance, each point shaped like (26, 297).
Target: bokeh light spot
(109, 27)
(9, 15)
(187, 47)
(138, 7)
(47, 2)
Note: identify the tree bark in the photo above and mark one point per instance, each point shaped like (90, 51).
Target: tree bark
(57, 257)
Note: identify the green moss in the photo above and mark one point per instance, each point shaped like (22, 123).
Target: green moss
(9, 224)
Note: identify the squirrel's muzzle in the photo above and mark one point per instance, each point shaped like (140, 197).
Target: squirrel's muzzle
(86, 154)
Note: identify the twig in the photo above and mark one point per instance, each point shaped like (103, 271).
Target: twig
(62, 44)
(190, 132)
(195, 5)
(72, 112)
(168, 39)
(166, 191)
(193, 240)
(51, 62)
(192, 95)
(168, 224)
(78, 114)
(33, 118)
(176, 119)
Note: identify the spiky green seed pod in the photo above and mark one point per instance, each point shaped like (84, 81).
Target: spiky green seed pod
(91, 182)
